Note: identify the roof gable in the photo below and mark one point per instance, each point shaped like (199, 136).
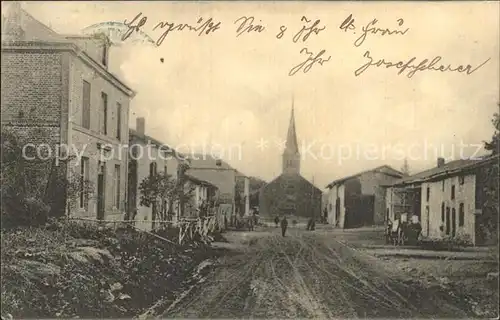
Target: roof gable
(296, 178)
(133, 134)
(33, 30)
(205, 161)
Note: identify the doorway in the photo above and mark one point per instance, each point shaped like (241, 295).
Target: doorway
(337, 212)
(101, 190)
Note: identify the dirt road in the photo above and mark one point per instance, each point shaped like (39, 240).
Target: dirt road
(310, 275)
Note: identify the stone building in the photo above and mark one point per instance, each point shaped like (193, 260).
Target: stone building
(57, 90)
(201, 194)
(449, 199)
(223, 176)
(359, 200)
(148, 156)
(290, 194)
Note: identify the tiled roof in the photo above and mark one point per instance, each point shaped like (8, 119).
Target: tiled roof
(382, 169)
(146, 138)
(447, 169)
(205, 161)
(199, 181)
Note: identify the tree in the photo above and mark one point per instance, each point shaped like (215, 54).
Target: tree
(155, 190)
(405, 169)
(182, 168)
(494, 144)
(76, 187)
(161, 188)
(488, 179)
(35, 189)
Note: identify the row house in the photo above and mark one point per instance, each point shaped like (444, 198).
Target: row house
(149, 157)
(57, 90)
(219, 173)
(201, 197)
(448, 199)
(359, 200)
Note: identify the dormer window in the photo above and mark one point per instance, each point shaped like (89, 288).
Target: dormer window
(218, 162)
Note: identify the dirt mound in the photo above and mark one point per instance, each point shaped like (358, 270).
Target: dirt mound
(68, 270)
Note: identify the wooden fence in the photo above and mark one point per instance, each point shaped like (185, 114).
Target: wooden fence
(188, 228)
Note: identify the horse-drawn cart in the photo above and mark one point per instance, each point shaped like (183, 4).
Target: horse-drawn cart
(399, 232)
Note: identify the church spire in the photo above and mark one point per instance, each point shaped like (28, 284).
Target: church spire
(291, 138)
(291, 155)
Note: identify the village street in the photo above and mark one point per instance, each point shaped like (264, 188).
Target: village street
(309, 275)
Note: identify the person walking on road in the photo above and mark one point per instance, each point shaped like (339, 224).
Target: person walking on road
(276, 221)
(284, 225)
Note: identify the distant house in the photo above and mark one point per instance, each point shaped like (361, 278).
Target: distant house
(359, 199)
(448, 199)
(148, 157)
(200, 193)
(220, 174)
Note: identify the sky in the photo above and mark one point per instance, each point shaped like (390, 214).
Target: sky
(233, 94)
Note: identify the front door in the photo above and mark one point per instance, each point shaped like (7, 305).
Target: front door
(453, 222)
(100, 191)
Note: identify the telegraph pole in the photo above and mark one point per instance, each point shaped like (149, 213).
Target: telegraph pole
(312, 199)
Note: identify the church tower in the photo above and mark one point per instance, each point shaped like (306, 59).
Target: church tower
(291, 155)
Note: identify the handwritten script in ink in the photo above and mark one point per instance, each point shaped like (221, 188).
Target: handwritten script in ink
(310, 28)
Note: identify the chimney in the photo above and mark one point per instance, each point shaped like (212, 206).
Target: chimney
(440, 162)
(140, 125)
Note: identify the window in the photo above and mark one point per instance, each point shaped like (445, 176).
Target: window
(86, 105)
(152, 169)
(448, 221)
(452, 192)
(461, 215)
(461, 180)
(218, 162)
(442, 186)
(428, 194)
(104, 54)
(84, 172)
(104, 110)
(118, 121)
(165, 169)
(117, 186)
(442, 212)
(427, 218)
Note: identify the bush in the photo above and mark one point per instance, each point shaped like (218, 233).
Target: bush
(37, 211)
(19, 211)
